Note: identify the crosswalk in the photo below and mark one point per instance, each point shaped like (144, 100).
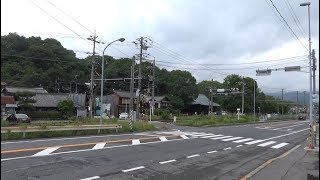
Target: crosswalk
(229, 138)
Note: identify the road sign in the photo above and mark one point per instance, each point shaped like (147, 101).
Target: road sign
(266, 72)
(292, 68)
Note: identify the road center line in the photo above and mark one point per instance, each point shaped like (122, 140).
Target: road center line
(211, 152)
(91, 178)
(195, 155)
(133, 169)
(227, 148)
(169, 161)
(286, 134)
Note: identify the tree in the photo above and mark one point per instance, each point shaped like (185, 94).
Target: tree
(66, 107)
(25, 99)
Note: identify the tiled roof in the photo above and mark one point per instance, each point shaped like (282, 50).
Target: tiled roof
(17, 89)
(125, 94)
(52, 100)
(203, 100)
(7, 100)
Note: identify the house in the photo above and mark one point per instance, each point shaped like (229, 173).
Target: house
(49, 102)
(11, 91)
(8, 106)
(159, 102)
(201, 105)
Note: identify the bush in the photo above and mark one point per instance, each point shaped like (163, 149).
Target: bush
(163, 113)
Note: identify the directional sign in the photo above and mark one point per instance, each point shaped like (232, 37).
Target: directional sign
(292, 68)
(266, 72)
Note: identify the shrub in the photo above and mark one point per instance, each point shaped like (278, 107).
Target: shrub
(43, 114)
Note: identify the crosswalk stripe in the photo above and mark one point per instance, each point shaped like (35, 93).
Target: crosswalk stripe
(99, 145)
(46, 151)
(211, 136)
(279, 145)
(230, 139)
(254, 142)
(162, 138)
(243, 140)
(267, 143)
(221, 137)
(184, 136)
(135, 141)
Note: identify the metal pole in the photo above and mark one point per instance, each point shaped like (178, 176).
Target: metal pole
(282, 101)
(314, 71)
(139, 81)
(131, 93)
(254, 101)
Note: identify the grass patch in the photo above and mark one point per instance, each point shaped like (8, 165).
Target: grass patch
(139, 126)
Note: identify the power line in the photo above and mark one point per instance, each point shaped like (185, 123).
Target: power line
(288, 24)
(296, 18)
(283, 59)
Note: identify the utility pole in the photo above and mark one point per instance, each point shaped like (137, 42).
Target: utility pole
(304, 98)
(254, 100)
(153, 82)
(131, 93)
(139, 80)
(282, 101)
(242, 111)
(298, 97)
(94, 38)
(314, 71)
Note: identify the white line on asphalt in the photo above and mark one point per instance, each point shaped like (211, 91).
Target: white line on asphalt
(221, 137)
(279, 145)
(254, 142)
(84, 150)
(212, 136)
(133, 169)
(230, 139)
(239, 145)
(289, 126)
(99, 145)
(135, 141)
(294, 132)
(184, 136)
(267, 143)
(195, 155)
(91, 178)
(169, 161)
(243, 140)
(58, 139)
(289, 129)
(211, 152)
(162, 138)
(227, 148)
(46, 151)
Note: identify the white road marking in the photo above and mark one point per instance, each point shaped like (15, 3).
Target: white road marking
(85, 150)
(230, 139)
(162, 138)
(184, 136)
(286, 134)
(198, 135)
(221, 137)
(212, 136)
(211, 152)
(239, 145)
(99, 145)
(267, 143)
(46, 151)
(279, 145)
(227, 148)
(254, 142)
(169, 161)
(243, 140)
(135, 141)
(133, 169)
(91, 178)
(289, 126)
(195, 155)
(289, 129)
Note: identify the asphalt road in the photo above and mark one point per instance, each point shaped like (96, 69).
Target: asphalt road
(177, 153)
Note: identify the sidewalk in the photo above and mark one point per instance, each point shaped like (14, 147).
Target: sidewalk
(300, 164)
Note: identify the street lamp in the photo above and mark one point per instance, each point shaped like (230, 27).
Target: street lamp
(102, 74)
(254, 100)
(310, 70)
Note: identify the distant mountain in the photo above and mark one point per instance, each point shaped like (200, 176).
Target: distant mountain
(303, 98)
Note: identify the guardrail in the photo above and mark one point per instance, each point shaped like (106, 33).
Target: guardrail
(25, 129)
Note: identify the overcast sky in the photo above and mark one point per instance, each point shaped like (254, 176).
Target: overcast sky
(211, 39)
